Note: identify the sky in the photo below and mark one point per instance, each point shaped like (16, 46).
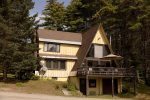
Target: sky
(40, 4)
(39, 7)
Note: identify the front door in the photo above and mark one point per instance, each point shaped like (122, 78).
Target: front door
(83, 85)
(107, 86)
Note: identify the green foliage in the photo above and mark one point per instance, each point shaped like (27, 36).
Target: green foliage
(71, 87)
(35, 77)
(54, 15)
(74, 19)
(17, 38)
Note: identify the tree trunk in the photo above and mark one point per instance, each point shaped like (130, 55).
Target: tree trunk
(4, 74)
(147, 80)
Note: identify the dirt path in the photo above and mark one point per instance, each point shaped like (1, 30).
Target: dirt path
(23, 96)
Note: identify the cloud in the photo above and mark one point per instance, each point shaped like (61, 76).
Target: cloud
(39, 18)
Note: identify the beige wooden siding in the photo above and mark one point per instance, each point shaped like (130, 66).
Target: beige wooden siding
(97, 89)
(99, 39)
(65, 49)
(61, 73)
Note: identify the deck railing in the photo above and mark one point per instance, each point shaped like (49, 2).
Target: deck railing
(106, 71)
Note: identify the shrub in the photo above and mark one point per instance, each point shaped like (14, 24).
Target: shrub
(35, 77)
(24, 75)
(71, 87)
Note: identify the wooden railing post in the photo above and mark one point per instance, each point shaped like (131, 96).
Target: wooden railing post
(112, 83)
(87, 85)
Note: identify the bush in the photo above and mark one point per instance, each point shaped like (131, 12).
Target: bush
(35, 77)
(24, 75)
(71, 87)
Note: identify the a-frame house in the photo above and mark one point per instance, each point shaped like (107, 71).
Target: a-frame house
(92, 74)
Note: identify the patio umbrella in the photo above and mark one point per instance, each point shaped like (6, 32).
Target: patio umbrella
(112, 57)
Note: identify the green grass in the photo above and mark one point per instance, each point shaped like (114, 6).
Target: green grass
(43, 86)
(49, 87)
(52, 87)
(19, 84)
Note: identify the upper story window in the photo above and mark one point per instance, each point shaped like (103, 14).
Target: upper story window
(98, 51)
(52, 47)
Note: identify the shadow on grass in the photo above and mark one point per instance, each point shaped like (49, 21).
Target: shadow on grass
(11, 79)
(142, 93)
(143, 89)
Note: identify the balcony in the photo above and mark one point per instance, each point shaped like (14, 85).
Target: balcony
(106, 72)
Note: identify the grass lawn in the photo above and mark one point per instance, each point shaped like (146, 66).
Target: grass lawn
(49, 87)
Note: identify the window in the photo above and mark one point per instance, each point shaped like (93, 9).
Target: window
(91, 52)
(56, 64)
(92, 83)
(51, 47)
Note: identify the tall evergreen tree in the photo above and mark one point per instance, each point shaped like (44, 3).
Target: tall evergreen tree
(74, 16)
(54, 15)
(18, 51)
(6, 45)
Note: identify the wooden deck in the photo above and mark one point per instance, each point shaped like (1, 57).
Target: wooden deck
(106, 72)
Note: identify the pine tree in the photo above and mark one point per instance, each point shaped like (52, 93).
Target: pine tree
(6, 45)
(24, 58)
(145, 19)
(74, 16)
(18, 51)
(54, 15)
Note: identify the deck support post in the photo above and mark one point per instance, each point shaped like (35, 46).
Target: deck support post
(112, 86)
(87, 85)
(112, 82)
